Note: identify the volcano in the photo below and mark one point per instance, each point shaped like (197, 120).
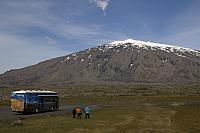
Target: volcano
(129, 62)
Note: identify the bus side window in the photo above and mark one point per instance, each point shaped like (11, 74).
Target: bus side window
(29, 99)
(35, 99)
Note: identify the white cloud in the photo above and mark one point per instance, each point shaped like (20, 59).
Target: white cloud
(50, 40)
(103, 4)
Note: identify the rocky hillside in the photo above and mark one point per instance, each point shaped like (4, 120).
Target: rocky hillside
(129, 61)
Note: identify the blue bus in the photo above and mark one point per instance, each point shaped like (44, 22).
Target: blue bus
(31, 101)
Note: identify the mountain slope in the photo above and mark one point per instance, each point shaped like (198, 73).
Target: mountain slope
(128, 61)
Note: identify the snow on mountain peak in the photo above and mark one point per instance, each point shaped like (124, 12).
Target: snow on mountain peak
(143, 44)
(151, 45)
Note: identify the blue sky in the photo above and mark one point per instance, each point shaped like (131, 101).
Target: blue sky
(35, 30)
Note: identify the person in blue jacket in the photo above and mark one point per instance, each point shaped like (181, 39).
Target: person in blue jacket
(87, 112)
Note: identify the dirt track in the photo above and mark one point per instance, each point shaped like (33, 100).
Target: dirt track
(7, 115)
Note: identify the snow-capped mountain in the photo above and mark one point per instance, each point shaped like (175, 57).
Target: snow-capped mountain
(129, 61)
(154, 46)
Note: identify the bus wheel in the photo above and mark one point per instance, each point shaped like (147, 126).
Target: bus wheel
(36, 110)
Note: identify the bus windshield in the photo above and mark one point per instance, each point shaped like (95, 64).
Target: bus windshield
(17, 96)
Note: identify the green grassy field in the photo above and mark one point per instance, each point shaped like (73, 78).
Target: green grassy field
(123, 115)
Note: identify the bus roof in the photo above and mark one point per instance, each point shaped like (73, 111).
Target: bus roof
(32, 91)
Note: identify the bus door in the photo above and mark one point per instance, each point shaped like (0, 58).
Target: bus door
(40, 99)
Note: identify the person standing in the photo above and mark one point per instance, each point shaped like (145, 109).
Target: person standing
(87, 112)
(78, 111)
(74, 113)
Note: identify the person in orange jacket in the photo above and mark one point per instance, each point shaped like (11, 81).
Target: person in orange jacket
(78, 111)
